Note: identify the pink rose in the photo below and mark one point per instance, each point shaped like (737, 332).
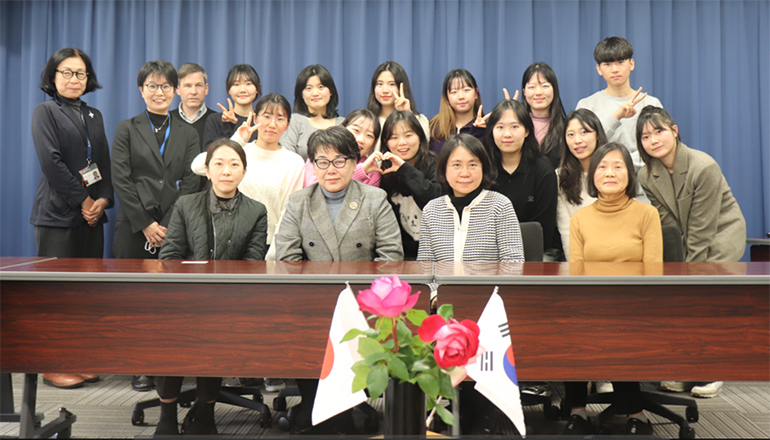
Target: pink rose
(456, 342)
(387, 297)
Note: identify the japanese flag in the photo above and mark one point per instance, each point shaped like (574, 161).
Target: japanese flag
(495, 370)
(334, 389)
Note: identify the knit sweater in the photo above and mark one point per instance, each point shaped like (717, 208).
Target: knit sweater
(565, 209)
(616, 230)
(488, 231)
(298, 132)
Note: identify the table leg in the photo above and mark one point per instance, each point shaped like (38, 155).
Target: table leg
(28, 402)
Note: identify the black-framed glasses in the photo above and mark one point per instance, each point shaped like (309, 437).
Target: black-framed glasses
(67, 74)
(154, 87)
(338, 162)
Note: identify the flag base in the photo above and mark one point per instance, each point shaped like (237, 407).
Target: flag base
(404, 409)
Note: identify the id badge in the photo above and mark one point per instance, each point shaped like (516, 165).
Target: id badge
(90, 174)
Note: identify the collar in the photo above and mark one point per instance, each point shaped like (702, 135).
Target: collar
(198, 115)
(215, 206)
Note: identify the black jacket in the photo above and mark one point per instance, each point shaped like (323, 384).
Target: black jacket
(202, 228)
(60, 144)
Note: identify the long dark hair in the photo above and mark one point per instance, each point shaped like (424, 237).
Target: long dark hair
(530, 151)
(571, 170)
(326, 80)
(399, 75)
(423, 160)
(553, 139)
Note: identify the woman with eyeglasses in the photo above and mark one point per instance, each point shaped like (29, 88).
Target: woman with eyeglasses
(68, 209)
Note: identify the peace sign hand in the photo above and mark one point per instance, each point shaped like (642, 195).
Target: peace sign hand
(246, 130)
(402, 104)
(228, 115)
(627, 110)
(481, 121)
(508, 97)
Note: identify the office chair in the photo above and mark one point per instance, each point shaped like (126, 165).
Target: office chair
(652, 401)
(229, 395)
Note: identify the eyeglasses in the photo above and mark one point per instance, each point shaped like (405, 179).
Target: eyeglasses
(67, 74)
(323, 164)
(154, 87)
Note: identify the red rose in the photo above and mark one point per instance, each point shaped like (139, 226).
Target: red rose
(456, 342)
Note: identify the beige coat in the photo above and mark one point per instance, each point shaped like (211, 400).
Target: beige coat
(697, 199)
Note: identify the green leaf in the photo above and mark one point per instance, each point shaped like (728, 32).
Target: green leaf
(370, 317)
(352, 334)
(374, 358)
(377, 381)
(429, 384)
(398, 368)
(372, 333)
(423, 364)
(446, 311)
(404, 334)
(445, 384)
(445, 415)
(416, 316)
(368, 347)
(362, 371)
(384, 324)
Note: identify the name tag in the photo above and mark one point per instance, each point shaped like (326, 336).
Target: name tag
(90, 175)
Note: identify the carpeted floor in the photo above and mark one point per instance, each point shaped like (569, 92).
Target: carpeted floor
(104, 409)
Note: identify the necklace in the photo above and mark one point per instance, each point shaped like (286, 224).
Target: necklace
(161, 125)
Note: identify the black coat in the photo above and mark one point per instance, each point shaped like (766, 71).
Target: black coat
(201, 229)
(60, 144)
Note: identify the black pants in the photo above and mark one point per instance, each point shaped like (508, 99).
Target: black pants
(169, 387)
(80, 242)
(627, 394)
(126, 244)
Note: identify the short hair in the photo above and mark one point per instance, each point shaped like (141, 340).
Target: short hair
(246, 70)
(571, 170)
(328, 82)
(224, 142)
(613, 49)
(160, 68)
(48, 73)
(476, 148)
(189, 69)
(530, 150)
(336, 138)
(272, 100)
(443, 124)
(399, 75)
(363, 113)
(659, 118)
(599, 155)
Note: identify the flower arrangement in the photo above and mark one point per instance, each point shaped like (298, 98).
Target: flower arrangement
(434, 359)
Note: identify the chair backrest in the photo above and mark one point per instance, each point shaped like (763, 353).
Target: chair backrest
(673, 248)
(532, 239)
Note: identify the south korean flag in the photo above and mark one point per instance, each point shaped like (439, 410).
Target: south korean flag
(495, 370)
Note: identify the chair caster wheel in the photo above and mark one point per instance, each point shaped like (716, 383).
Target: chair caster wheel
(258, 398)
(692, 414)
(279, 404)
(137, 417)
(551, 412)
(185, 404)
(284, 424)
(686, 432)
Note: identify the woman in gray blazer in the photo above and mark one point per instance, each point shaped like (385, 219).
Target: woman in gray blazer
(690, 192)
(151, 157)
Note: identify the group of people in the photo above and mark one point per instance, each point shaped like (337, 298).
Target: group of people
(260, 181)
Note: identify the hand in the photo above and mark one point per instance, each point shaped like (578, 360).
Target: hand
(246, 130)
(402, 104)
(627, 110)
(508, 97)
(86, 204)
(481, 121)
(372, 163)
(394, 160)
(96, 211)
(155, 234)
(228, 115)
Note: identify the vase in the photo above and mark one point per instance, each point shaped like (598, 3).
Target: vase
(404, 409)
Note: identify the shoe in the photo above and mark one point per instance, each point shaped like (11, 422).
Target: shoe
(242, 382)
(577, 425)
(674, 387)
(708, 390)
(167, 427)
(65, 380)
(603, 387)
(536, 390)
(274, 385)
(143, 383)
(89, 378)
(635, 426)
(201, 427)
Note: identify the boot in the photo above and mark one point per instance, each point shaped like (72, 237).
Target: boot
(203, 420)
(167, 425)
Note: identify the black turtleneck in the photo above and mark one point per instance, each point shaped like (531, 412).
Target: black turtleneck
(73, 103)
(159, 121)
(461, 202)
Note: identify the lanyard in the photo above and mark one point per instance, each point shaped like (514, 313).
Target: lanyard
(168, 130)
(88, 141)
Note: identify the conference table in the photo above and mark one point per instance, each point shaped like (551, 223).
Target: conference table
(614, 321)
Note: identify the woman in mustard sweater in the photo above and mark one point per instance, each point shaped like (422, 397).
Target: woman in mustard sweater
(615, 228)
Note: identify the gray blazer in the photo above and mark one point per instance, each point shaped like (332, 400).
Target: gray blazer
(366, 228)
(697, 199)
